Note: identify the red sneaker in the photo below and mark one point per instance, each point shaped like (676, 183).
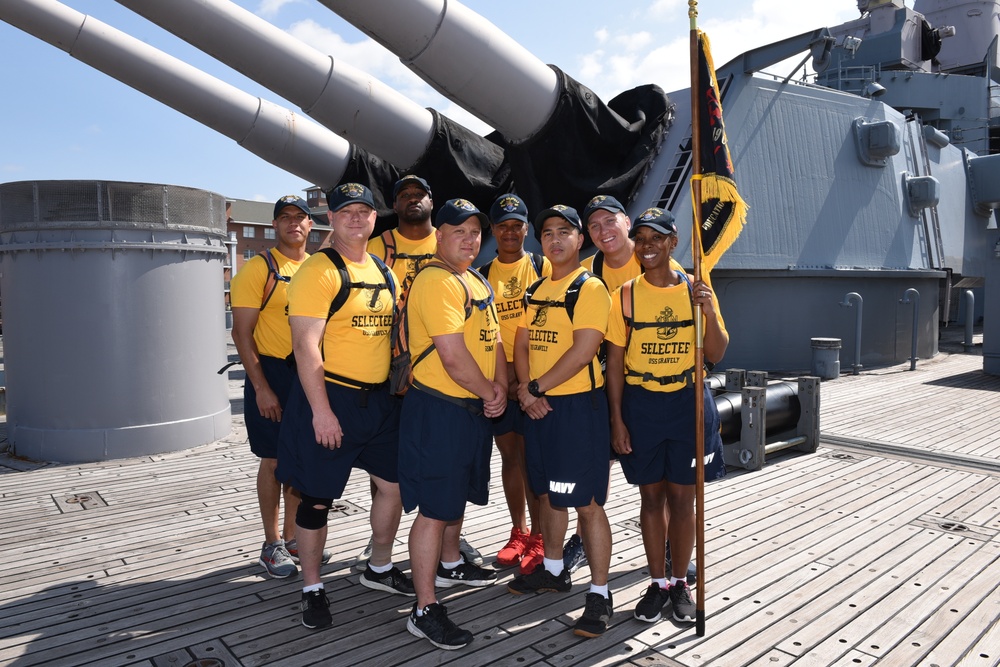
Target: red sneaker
(514, 549)
(534, 554)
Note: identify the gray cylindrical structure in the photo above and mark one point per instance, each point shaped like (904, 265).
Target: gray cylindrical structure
(113, 318)
(826, 358)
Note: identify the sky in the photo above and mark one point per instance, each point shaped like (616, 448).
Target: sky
(61, 119)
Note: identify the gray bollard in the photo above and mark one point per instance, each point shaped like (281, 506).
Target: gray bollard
(826, 358)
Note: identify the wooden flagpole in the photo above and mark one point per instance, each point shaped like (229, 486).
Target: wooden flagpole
(699, 353)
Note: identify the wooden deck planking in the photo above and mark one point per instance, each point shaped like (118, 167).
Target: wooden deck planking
(788, 547)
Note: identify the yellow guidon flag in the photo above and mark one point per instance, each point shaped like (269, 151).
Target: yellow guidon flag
(723, 212)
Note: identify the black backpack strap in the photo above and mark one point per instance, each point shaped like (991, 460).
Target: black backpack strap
(537, 261)
(529, 295)
(598, 264)
(627, 297)
(273, 277)
(665, 325)
(485, 269)
(481, 304)
(573, 291)
(340, 298)
(685, 377)
(387, 274)
(569, 301)
(345, 282)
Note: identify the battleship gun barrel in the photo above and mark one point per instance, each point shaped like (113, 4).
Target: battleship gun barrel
(275, 134)
(465, 57)
(344, 99)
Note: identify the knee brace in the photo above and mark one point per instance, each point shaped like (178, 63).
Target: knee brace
(309, 516)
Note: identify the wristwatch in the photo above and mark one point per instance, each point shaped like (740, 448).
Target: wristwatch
(533, 389)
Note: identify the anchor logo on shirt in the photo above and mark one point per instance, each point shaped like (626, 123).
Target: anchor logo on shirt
(512, 288)
(666, 315)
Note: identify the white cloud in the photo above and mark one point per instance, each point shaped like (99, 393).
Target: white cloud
(665, 8)
(659, 52)
(602, 35)
(270, 8)
(591, 67)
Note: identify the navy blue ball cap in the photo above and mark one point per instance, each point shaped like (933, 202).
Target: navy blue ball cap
(346, 194)
(508, 207)
(606, 202)
(654, 218)
(457, 211)
(567, 213)
(406, 180)
(291, 200)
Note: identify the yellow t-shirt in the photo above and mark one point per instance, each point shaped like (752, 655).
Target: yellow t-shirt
(410, 255)
(356, 341)
(550, 331)
(615, 278)
(509, 282)
(435, 307)
(660, 351)
(246, 290)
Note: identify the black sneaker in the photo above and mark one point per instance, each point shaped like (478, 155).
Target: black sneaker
(392, 581)
(651, 605)
(596, 615)
(315, 610)
(680, 599)
(574, 556)
(435, 627)
(465, 574)
(540, 580)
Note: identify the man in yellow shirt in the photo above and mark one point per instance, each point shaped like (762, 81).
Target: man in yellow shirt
(561, 389)
(459, 384)
(340, 413)
(510, 274)
(263, 340)
(404, 250)
(608, 225)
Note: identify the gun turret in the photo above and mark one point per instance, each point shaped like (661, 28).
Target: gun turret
(275, 134)
(563, 143)
(346, 100)
(404, 136)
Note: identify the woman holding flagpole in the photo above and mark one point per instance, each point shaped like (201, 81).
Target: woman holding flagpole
(651, 397)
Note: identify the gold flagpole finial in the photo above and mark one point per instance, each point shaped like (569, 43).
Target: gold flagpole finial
(692, 9)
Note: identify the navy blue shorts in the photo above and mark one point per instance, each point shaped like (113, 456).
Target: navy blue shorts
(370, 421)
(567, 450)
(511, 421)
(444, 457)
(661, 429)
(262, 432)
